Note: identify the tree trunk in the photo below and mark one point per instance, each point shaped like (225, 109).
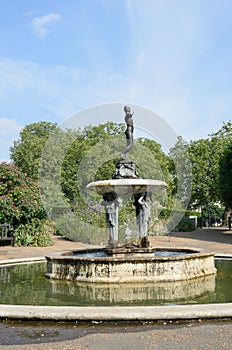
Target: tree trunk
(226, 216)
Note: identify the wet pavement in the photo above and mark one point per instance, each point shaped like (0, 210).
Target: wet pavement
(164, 335)
(116, 336)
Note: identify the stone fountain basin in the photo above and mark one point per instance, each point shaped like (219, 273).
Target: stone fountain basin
(94, 265)
(126, 186)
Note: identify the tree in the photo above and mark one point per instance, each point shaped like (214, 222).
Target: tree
(94, 152)
(159, 156)
(65, 161)
(181, 172)
(221, 141)
(200, 156)
(27, 151)
(45, 149)
(91, 157)
(205, 155)
(21, 206)
(225, 176)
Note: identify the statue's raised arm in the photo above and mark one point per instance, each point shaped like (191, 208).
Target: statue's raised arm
(129, 131)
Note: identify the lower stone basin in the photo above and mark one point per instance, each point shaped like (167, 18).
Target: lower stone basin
(149, 265)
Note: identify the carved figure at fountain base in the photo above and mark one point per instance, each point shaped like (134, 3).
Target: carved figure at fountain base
(111, 202)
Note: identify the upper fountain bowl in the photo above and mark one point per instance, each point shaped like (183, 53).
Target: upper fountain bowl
(126, 186)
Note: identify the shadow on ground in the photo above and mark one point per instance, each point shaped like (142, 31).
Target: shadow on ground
(219, 234)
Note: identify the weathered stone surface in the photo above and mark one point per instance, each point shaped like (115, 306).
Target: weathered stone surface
(126, 186)
(130, 269)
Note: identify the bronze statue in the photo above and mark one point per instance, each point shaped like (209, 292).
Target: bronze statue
(129, 131)
(143, 204)
(111, 202)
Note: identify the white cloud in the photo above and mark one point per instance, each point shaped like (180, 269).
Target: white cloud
(26, 87)
(40, 24)
(21, 79)
(9, 131)
(9, 126)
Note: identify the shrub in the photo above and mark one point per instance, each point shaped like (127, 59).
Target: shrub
(36, 233)
(20, 200)
(21, 206)
(186, 225)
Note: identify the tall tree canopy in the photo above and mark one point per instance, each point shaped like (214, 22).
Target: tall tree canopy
(90, 152)
(26, 151)
(202, 173)
(180, 171)
(225, 176)
(76, 157)
(205, 156)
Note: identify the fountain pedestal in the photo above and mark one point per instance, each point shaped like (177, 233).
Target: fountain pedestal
(125, 169)
(140, 189)
(130, 250)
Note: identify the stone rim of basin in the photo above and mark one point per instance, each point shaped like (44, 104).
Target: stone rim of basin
(126, 186)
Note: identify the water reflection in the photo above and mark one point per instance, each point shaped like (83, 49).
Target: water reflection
(133, 293)
(26, 284)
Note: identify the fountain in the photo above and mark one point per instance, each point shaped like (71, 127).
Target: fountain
(132, 261)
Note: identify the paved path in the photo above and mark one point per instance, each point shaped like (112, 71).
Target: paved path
(137, 336)
(217, 240)
(59, 244)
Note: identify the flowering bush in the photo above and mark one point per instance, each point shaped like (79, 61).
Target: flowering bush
(21, 205)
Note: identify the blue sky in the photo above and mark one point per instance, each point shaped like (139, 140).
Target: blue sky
(171, 56)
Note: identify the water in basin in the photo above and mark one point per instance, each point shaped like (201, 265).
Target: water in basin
(26, 284)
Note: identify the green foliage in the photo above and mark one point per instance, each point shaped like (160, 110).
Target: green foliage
(20, 200)
(21, 206)
(225, 176)
(73, 158)
(153, 154)
(165, 213)
(192, 213)
(205, 155)
(67, 160)
(200, 154)
(181, 175)
(50, 170)
(90, 157)
(27, 151)
(77, 227)
(213, 210)
(36, 233)
(209, 179)
(185, 225)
